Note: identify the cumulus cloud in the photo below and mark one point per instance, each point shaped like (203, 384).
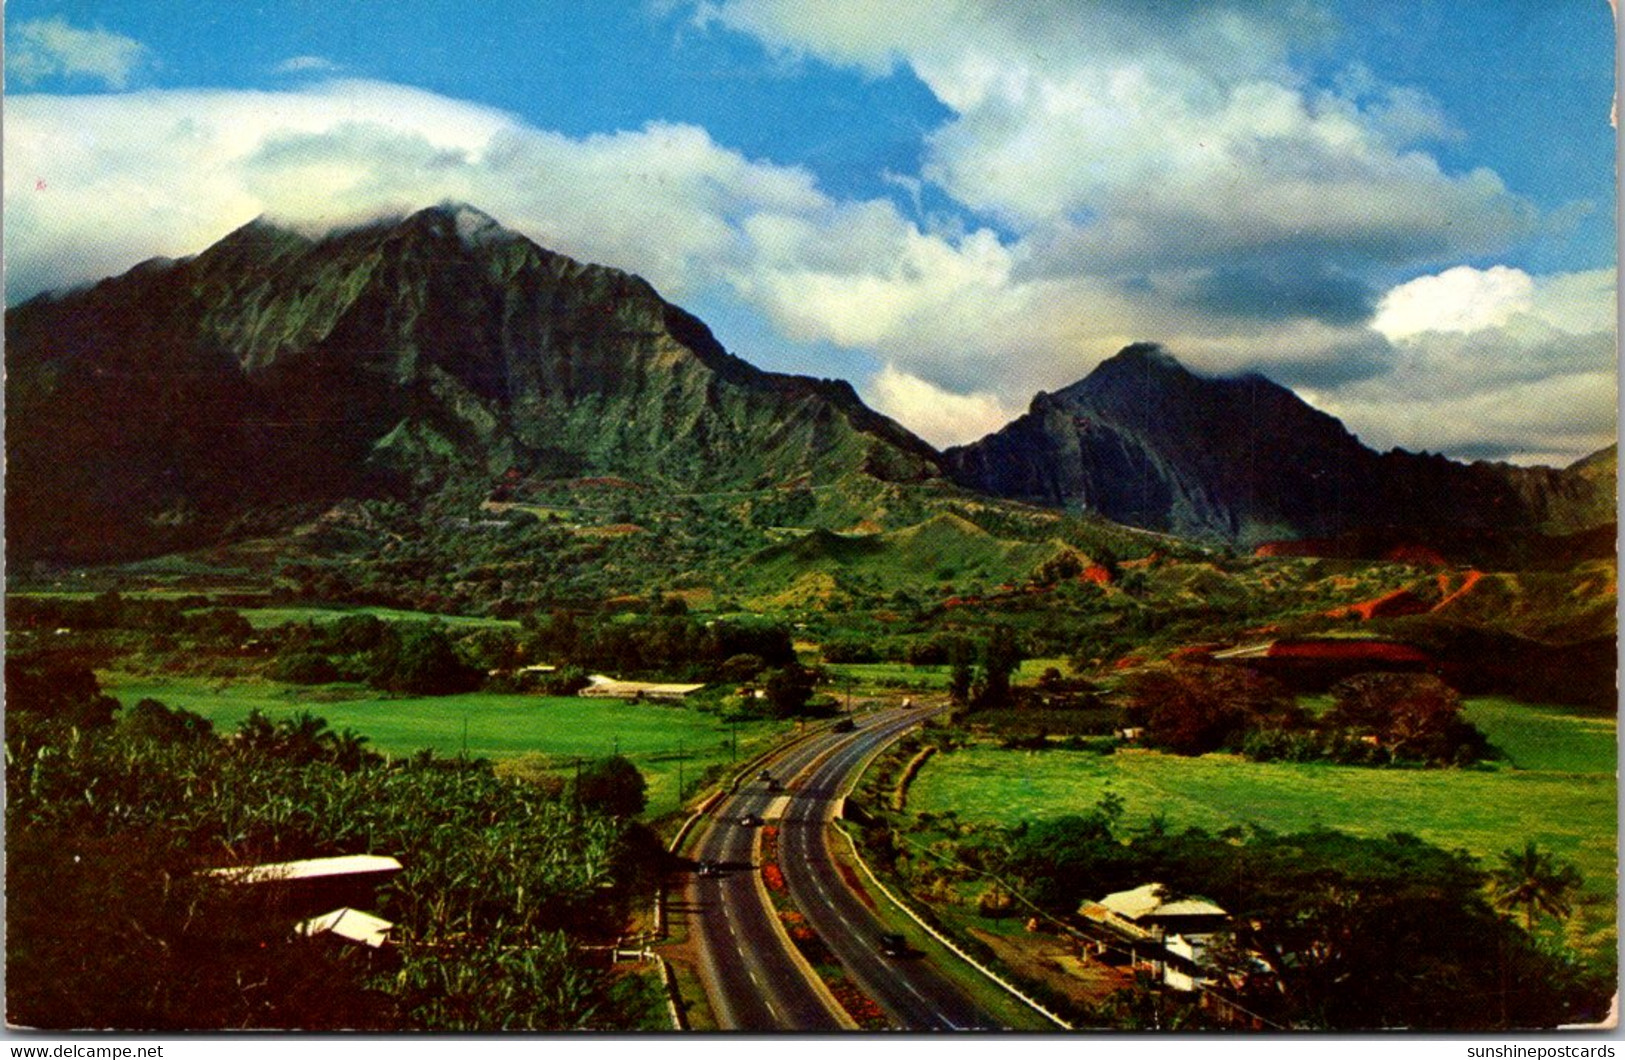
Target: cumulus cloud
(41, 48)
(939, 416)
(1462, 299)
(1494, 363)
(96, 183)
(1129, 138)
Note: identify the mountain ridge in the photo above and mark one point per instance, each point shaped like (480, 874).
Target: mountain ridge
(273, 371)
(247, 387)
(1144, 441)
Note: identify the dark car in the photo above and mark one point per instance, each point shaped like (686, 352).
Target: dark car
(709, 868)
(844, 725)
(764, 775)
(893, 945)
(749, 820)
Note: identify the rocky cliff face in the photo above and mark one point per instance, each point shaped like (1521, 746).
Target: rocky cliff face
(274, 373)
(1144, 441)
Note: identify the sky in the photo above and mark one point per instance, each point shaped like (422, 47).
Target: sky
(1402, 209)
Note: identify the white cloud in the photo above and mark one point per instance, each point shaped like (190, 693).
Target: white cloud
(96, 183)
(1124, 137)
(1493, 362)
(307, 64)
(939, 416)
(1461, 299)
(41, 48)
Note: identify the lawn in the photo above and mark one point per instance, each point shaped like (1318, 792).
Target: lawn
(1557, 788)
(659, 739)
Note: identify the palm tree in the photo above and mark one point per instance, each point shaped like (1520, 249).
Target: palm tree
(1529, 879)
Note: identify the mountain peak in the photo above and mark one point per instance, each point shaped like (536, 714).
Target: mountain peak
(473, 226)
(1147, 353)
(407, 356)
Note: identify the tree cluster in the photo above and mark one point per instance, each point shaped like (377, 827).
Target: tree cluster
(111, 923)
(1376, 719)
(1331, 931)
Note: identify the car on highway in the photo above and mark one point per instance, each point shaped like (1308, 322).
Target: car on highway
(892, 945)
(709, 868)
(749, 820)
(844, 725)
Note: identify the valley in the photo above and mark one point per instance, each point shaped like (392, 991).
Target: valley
(1165, 628)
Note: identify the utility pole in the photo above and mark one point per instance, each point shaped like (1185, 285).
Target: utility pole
(679, 774)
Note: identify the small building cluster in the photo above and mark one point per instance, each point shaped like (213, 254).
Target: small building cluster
(1169, 936)
(298, 888)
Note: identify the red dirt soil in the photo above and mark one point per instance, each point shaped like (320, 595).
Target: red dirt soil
(1390, 605)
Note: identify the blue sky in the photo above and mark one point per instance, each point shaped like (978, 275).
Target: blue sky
(1404, 209)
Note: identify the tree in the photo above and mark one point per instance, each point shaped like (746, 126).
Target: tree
(1416, 716)
(1196, 709)
(1531, 880)
(62, 694)
(1001, 655)
(960, 673)
(152, 720)
(424, 663)
(788, 690)
(612, 785)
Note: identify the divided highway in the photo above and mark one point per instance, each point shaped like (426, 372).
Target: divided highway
(753, 980)
(912, 990)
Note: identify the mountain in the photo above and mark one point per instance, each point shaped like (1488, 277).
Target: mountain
(250, 386)
(1144, 441)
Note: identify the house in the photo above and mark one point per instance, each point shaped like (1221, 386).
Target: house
(1176, 932)
(349, 924)
(310, 869)
(602, 687)
(300, 889)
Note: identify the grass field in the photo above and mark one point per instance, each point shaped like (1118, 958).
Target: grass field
(932, 678)
(657, 738)
(1557, 788)
(263, 617)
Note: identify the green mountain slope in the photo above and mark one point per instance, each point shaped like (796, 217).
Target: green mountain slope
(245, 388)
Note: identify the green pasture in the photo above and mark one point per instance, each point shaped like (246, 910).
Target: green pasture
(1557, 787)
(265, 617)
(1547, 738)
(929, 678)
(659, 739)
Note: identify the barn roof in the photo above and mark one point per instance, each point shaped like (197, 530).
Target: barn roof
(310, 869)
(1150, 899)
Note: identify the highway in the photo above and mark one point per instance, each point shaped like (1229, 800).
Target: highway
(752, 980)
(914, 992)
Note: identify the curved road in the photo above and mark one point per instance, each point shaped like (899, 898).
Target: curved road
(914, 992)
(753, 981)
